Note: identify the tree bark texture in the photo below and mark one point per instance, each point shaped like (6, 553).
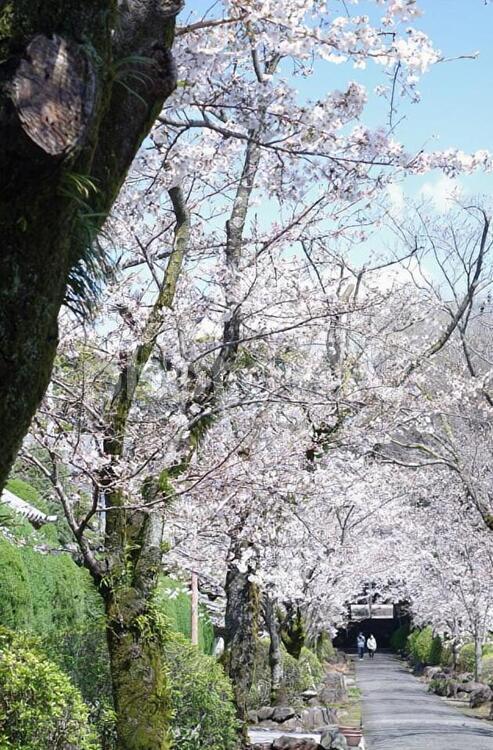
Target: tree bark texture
(133, 539)
(194, 615)
(478, 657)
(241, 629)
(275, 659)
(73, 113)
(293, 632)
(137, 636)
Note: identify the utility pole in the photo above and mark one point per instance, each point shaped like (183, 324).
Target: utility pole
(195, 609)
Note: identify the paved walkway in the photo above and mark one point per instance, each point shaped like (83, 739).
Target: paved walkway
(399, 713)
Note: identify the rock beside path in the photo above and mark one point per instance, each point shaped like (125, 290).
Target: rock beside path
(480, 695)
(311, 719)
(331, 739)
(476, 693)
(295, 743)
(334, 688)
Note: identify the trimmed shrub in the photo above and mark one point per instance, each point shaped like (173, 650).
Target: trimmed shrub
(447, 656)
(324, 648)
(39, 706)
(309, 671)
(298, 675)
(202, 700)
(82, 654)
(466, 659)
(49, 596)
(424, 648)
(435, 653)
(16, 607)
(43, 593)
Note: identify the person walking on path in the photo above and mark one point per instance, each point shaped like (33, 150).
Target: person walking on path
(371, 645)
(360, 642)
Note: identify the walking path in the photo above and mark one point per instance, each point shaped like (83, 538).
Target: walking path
(399, 713)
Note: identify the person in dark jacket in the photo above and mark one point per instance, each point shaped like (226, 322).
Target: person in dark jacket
(361, 642)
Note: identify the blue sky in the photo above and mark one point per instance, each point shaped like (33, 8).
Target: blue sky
(456, 107)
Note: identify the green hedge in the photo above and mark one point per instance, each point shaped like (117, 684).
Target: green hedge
(42, 593)
(39, 706)
(49, 596)
(466, 659)
(424, 647)
(325, 648)
(174, 602)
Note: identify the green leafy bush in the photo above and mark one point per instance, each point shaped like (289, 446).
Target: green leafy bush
(466, 659)
(447, 656)
(48, 595)
(303, 673)
(82, 654)
(204, 715)
(16, 609)
(39, 706)
(324, 648)
(423, 647)
(298, 675)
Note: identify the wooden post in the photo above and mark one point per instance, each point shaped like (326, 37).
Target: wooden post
(195, 609)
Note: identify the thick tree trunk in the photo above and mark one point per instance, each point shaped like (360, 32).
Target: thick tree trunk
(136, 632)
(478, 657)
(194, 614)
(241, 629)
(70, 125)
(133, 546)
(293, 632)
(141, 695)
(275, 659)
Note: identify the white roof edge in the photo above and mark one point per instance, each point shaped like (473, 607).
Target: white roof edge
(25, 509)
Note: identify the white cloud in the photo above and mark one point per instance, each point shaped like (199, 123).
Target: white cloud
(442, 192)
(396, 197)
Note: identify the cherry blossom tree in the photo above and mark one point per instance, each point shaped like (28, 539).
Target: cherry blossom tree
(235, 354)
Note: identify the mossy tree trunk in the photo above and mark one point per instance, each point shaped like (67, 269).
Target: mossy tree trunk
(478, 655)
(72, 117)
(275, 657)
(293, 633)
(242, 622)
(137, 636)
(127, 567)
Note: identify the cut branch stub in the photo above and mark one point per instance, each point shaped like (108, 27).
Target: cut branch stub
(53, 92)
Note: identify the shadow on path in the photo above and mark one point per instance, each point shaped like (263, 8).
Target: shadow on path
(399, 713)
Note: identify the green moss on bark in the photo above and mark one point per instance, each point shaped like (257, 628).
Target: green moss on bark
(141, 687)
